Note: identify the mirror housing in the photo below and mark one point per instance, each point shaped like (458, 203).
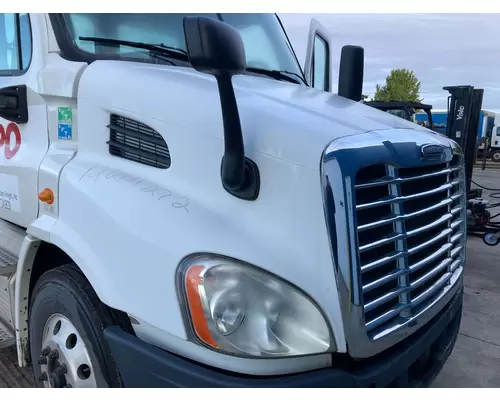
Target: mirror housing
(216, 48)
(351, 72)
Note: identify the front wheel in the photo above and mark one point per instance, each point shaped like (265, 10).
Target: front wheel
(66, 323)
(495, 155)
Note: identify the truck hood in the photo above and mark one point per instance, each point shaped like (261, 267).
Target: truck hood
(283, 120)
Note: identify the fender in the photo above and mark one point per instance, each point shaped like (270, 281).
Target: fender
(27, 256)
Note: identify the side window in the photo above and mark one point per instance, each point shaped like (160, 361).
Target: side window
(498, 131)
(320, 63)
(15, 43)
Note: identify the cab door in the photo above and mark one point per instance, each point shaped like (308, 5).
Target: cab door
(495, 144)
(495, 136)
(318, 64)
(23, 116)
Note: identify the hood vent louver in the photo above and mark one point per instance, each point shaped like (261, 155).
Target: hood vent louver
(137, 142)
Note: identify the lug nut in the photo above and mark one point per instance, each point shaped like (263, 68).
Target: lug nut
(46, 351)
(62, 369)
(42, 361)
(54, 354)
(42, 377)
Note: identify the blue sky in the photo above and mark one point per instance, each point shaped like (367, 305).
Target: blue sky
(442, 49)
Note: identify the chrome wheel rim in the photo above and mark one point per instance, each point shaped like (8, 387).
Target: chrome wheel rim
(64, 360)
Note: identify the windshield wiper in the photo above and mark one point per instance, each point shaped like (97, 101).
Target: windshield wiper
(170, 51)
(160, 57)
(279, 75)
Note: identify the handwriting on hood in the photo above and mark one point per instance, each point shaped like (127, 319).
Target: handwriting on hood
(100, 172)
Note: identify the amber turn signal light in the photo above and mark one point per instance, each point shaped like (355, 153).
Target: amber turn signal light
(47, 196)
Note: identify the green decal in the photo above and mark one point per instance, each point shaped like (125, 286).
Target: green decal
(65, 123)
(65, 115)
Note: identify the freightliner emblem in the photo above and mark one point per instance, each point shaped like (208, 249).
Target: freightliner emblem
(432, 150)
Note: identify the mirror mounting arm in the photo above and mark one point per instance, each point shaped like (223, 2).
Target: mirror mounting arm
(216, 48)
(239, 174)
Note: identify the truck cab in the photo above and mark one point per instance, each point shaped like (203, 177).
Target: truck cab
(183, 205)
(495, 139)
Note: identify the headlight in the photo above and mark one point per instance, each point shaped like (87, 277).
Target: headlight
(239, 309)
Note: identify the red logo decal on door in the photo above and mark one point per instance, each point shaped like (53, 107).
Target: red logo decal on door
(10, 146)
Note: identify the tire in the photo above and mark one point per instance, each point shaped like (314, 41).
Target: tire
(495, 155)
(491, 239)
(61, 295)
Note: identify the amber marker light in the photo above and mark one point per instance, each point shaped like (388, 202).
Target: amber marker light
(46, 196)
(194, 284)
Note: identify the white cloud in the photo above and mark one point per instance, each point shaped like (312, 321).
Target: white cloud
(442, 49)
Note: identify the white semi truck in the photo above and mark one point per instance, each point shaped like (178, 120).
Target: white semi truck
(494, 141)
(183, 205)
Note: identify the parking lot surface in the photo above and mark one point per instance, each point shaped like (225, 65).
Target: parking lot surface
(475, 361)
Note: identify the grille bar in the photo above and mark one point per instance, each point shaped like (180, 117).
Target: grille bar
(409, 223)
(433, 224)
(397, 311)
(456, 223)
(402, 217)
(456, 264)
(382, 261)
(388, 180)
(387, 316)
(381, 281)
(456, 237)
(443, 280)
(433, 257)
(433, 272)
(381, 242)
(430, 242)
(396, 199)
(385, 298)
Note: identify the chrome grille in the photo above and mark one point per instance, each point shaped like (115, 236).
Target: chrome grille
(409, 225)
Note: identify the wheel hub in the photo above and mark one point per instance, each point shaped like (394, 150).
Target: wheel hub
(64, 359)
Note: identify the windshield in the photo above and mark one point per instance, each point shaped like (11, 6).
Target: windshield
(266, 44)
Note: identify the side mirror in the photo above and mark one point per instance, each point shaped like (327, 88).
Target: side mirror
(351, 72)
(216, 48)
